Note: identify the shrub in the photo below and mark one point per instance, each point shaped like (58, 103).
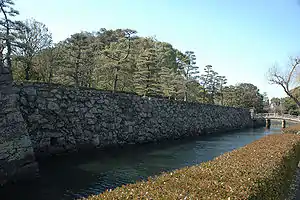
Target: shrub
(260, 170)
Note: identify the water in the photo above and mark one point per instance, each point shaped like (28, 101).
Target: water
(82, 174)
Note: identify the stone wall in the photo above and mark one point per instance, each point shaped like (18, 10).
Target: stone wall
(17, 159)
(61, 119)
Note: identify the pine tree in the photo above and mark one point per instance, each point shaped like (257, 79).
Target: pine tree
(221, 80)
(167, 63)
(167, 80)
(179, 86)
(118, 53)
(9, 32)
(146, 77)
(189, 70)
(212, 86)
(78, 59)
(205, 80)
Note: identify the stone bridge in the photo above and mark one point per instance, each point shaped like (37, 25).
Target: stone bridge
(278, 116)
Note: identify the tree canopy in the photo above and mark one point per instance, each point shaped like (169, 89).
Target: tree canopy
(118, 60)
(286, 105)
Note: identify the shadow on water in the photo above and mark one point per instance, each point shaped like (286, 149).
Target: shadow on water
(82, 174)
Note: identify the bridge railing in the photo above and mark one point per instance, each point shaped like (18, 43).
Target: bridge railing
(277, 116)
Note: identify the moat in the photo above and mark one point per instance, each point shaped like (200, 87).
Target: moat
(82, 174)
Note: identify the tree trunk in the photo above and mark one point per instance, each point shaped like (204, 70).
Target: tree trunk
(222, 99)
(286, 90)
(77, 68)
(185, 92)
(295, 99)
(8, 45)
(116, 79)
(51, 68)
(221, 92)
(27, 68)
(203, 95)
(50, 75)
(185, 96)
(76, 77)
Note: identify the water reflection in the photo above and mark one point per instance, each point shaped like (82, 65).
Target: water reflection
(82, 174)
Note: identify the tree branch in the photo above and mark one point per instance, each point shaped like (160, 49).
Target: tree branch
(128, 50)
(297, 61)
(276, 78)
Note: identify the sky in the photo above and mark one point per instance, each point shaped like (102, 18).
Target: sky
(241, 39)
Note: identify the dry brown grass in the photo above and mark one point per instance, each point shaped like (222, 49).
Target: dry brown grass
(260, 170)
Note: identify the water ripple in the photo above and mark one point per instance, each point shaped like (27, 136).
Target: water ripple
(74, 177)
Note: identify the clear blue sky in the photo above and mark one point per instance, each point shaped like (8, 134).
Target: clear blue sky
(241, 39)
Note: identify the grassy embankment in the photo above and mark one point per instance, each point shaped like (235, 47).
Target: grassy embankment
(260, 170)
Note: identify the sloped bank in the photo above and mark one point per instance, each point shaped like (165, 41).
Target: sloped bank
(260, 170)
(61, 119)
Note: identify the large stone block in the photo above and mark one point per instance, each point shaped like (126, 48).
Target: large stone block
(17, 160)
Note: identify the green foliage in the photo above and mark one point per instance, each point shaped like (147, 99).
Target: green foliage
(116, 60)
(34, 37)
(212, 86)
(260, 170)
(77, 60)
(244, 95)
(290, 106)
(205, 81)
(195, 90)
(46, 65)
(118, 53)
(266, 102)
(189, 70)
(9, 32)
(286, 105)
(146, 77)
(168, 82)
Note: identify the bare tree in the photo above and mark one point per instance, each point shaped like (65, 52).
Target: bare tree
(285, 80)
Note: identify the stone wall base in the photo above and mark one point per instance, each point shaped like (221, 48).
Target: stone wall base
(17, 159)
